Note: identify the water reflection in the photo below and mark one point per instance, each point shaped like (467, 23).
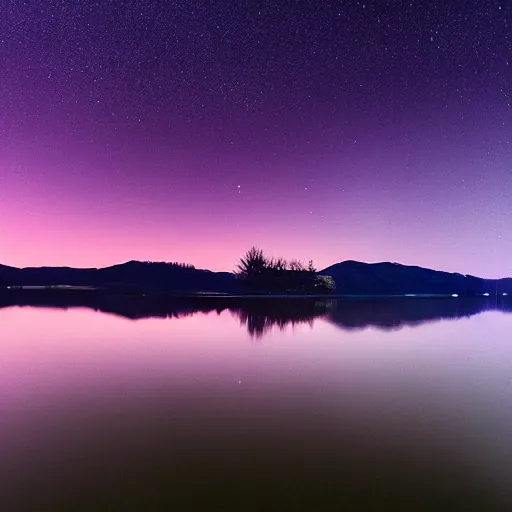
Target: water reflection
(260, 315)
(100, 413)
(393, 314)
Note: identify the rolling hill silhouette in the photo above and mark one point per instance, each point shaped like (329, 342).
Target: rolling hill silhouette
(133, 276)
(351, 277)
(356, 278)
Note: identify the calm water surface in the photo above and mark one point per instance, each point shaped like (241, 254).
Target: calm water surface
(397, 405)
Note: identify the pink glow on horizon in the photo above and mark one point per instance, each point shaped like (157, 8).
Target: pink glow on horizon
(85, 222)
(40, 241)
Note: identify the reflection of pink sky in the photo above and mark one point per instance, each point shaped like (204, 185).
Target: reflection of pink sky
(62, 372)
(76, 221)
(46, 353)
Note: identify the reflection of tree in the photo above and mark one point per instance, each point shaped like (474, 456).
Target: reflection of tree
(259, 315)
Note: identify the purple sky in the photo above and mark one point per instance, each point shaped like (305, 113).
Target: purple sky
(184, 131)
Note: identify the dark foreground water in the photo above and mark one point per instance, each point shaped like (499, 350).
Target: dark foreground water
(280, 405)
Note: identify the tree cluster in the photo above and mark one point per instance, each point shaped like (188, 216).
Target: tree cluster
(265, 274)
(177, 264)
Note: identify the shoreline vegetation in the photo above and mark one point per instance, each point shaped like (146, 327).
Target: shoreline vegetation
(261, 274)
(255, 276)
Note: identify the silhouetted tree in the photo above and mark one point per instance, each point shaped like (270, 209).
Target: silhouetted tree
(278, 264)
(171, 264)
(276, 275)
(252, 264)
(296, 265)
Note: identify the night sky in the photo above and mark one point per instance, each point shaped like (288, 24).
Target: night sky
(190, 130)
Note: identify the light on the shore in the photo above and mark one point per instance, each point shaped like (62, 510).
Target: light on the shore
(455, 295)
(486, 295)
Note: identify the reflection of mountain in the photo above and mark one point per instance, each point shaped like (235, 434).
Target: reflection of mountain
(397, 313)
(260, 315)
(129, 306)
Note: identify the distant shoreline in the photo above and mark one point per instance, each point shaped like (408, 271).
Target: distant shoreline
(64, 289)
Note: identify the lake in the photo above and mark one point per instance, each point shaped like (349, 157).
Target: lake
(228, 404)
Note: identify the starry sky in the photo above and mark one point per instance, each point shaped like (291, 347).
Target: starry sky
(191, 130)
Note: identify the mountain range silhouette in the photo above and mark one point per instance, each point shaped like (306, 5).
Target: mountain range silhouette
(351, 278)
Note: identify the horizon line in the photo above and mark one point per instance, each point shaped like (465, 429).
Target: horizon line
(231, 271)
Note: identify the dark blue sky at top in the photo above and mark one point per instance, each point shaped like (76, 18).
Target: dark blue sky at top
(191, 130)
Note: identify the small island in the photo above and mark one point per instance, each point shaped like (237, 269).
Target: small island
(261, 274)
